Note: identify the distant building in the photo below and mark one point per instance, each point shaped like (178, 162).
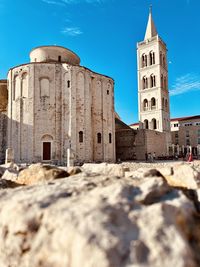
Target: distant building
(185, 134)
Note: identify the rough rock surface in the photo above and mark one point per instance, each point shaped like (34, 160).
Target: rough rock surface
(100, 220)
(37, 173)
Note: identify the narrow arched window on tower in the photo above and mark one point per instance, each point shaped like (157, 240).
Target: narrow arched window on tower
(145, 105)
(166, 105)
(68, 83)
(161, 81)
(163, 103)
(145, 82)
(110, 138)
(144, 60)
(146, 124)
(59, 58)
(164, 61)
(165, 83)
(152, 58)
(154, 125)
(160, 58)
(153, 103)
(99, 138)
(80, 137)
(153, 80)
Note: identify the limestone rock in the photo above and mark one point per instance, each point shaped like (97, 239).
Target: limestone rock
(74, 170)
(38, 173)
(104, 169)
(97, 221)
(10, 175)
(184, 175)
(152, 190)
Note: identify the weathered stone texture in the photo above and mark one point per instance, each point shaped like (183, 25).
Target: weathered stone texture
(63, 105)
(99, 220)
(148, 141)
(125, 141)
(3, 118)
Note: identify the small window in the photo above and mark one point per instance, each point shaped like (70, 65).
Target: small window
(59, 58)
(153, 80)
(110, 138)
(108, 92)
(99, 138)
(68, 83)
(187, 142)
(80, 137)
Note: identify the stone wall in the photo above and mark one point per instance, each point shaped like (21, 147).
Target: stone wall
(3, 118)
(148, 141)
(125, 141)
(64, 105)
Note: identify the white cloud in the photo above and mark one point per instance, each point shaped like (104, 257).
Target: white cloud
(72, 31)
(186, 83)
(66, 2)
(52, 2)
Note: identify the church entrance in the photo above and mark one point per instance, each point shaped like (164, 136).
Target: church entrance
(46, 150)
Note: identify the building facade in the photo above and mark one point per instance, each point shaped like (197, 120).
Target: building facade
(56, 105)
(185, 133)
(153, 95)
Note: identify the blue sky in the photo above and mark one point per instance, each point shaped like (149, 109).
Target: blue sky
(104, 34)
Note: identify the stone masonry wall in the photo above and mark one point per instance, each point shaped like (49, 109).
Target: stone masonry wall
(148, 141)
(54, 103)
(3, 118)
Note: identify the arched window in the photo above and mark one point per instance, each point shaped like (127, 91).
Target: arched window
(153, 80)
(146, 124)
(99, 138)
(80, 137)
(154, 125)
(153, 103)
(110, 138)
(161, 81)
(163, 103)
(164, 61)
(144, 60)
(151, 58)
(17, 88)
(68, 83)
(145, 82)
(44, 87)
(145, 104)
(25, 85)
(161, 62)
(166, 104)
(165, 83)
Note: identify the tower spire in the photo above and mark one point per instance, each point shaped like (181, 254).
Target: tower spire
(151, 29)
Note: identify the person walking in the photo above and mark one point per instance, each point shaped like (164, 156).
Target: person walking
(190, 158)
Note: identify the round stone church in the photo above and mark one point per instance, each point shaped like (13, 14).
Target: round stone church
(56, 105)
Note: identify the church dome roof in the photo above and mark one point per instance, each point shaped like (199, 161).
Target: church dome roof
(53, 53)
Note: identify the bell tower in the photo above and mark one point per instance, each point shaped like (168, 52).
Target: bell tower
(153, 95)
